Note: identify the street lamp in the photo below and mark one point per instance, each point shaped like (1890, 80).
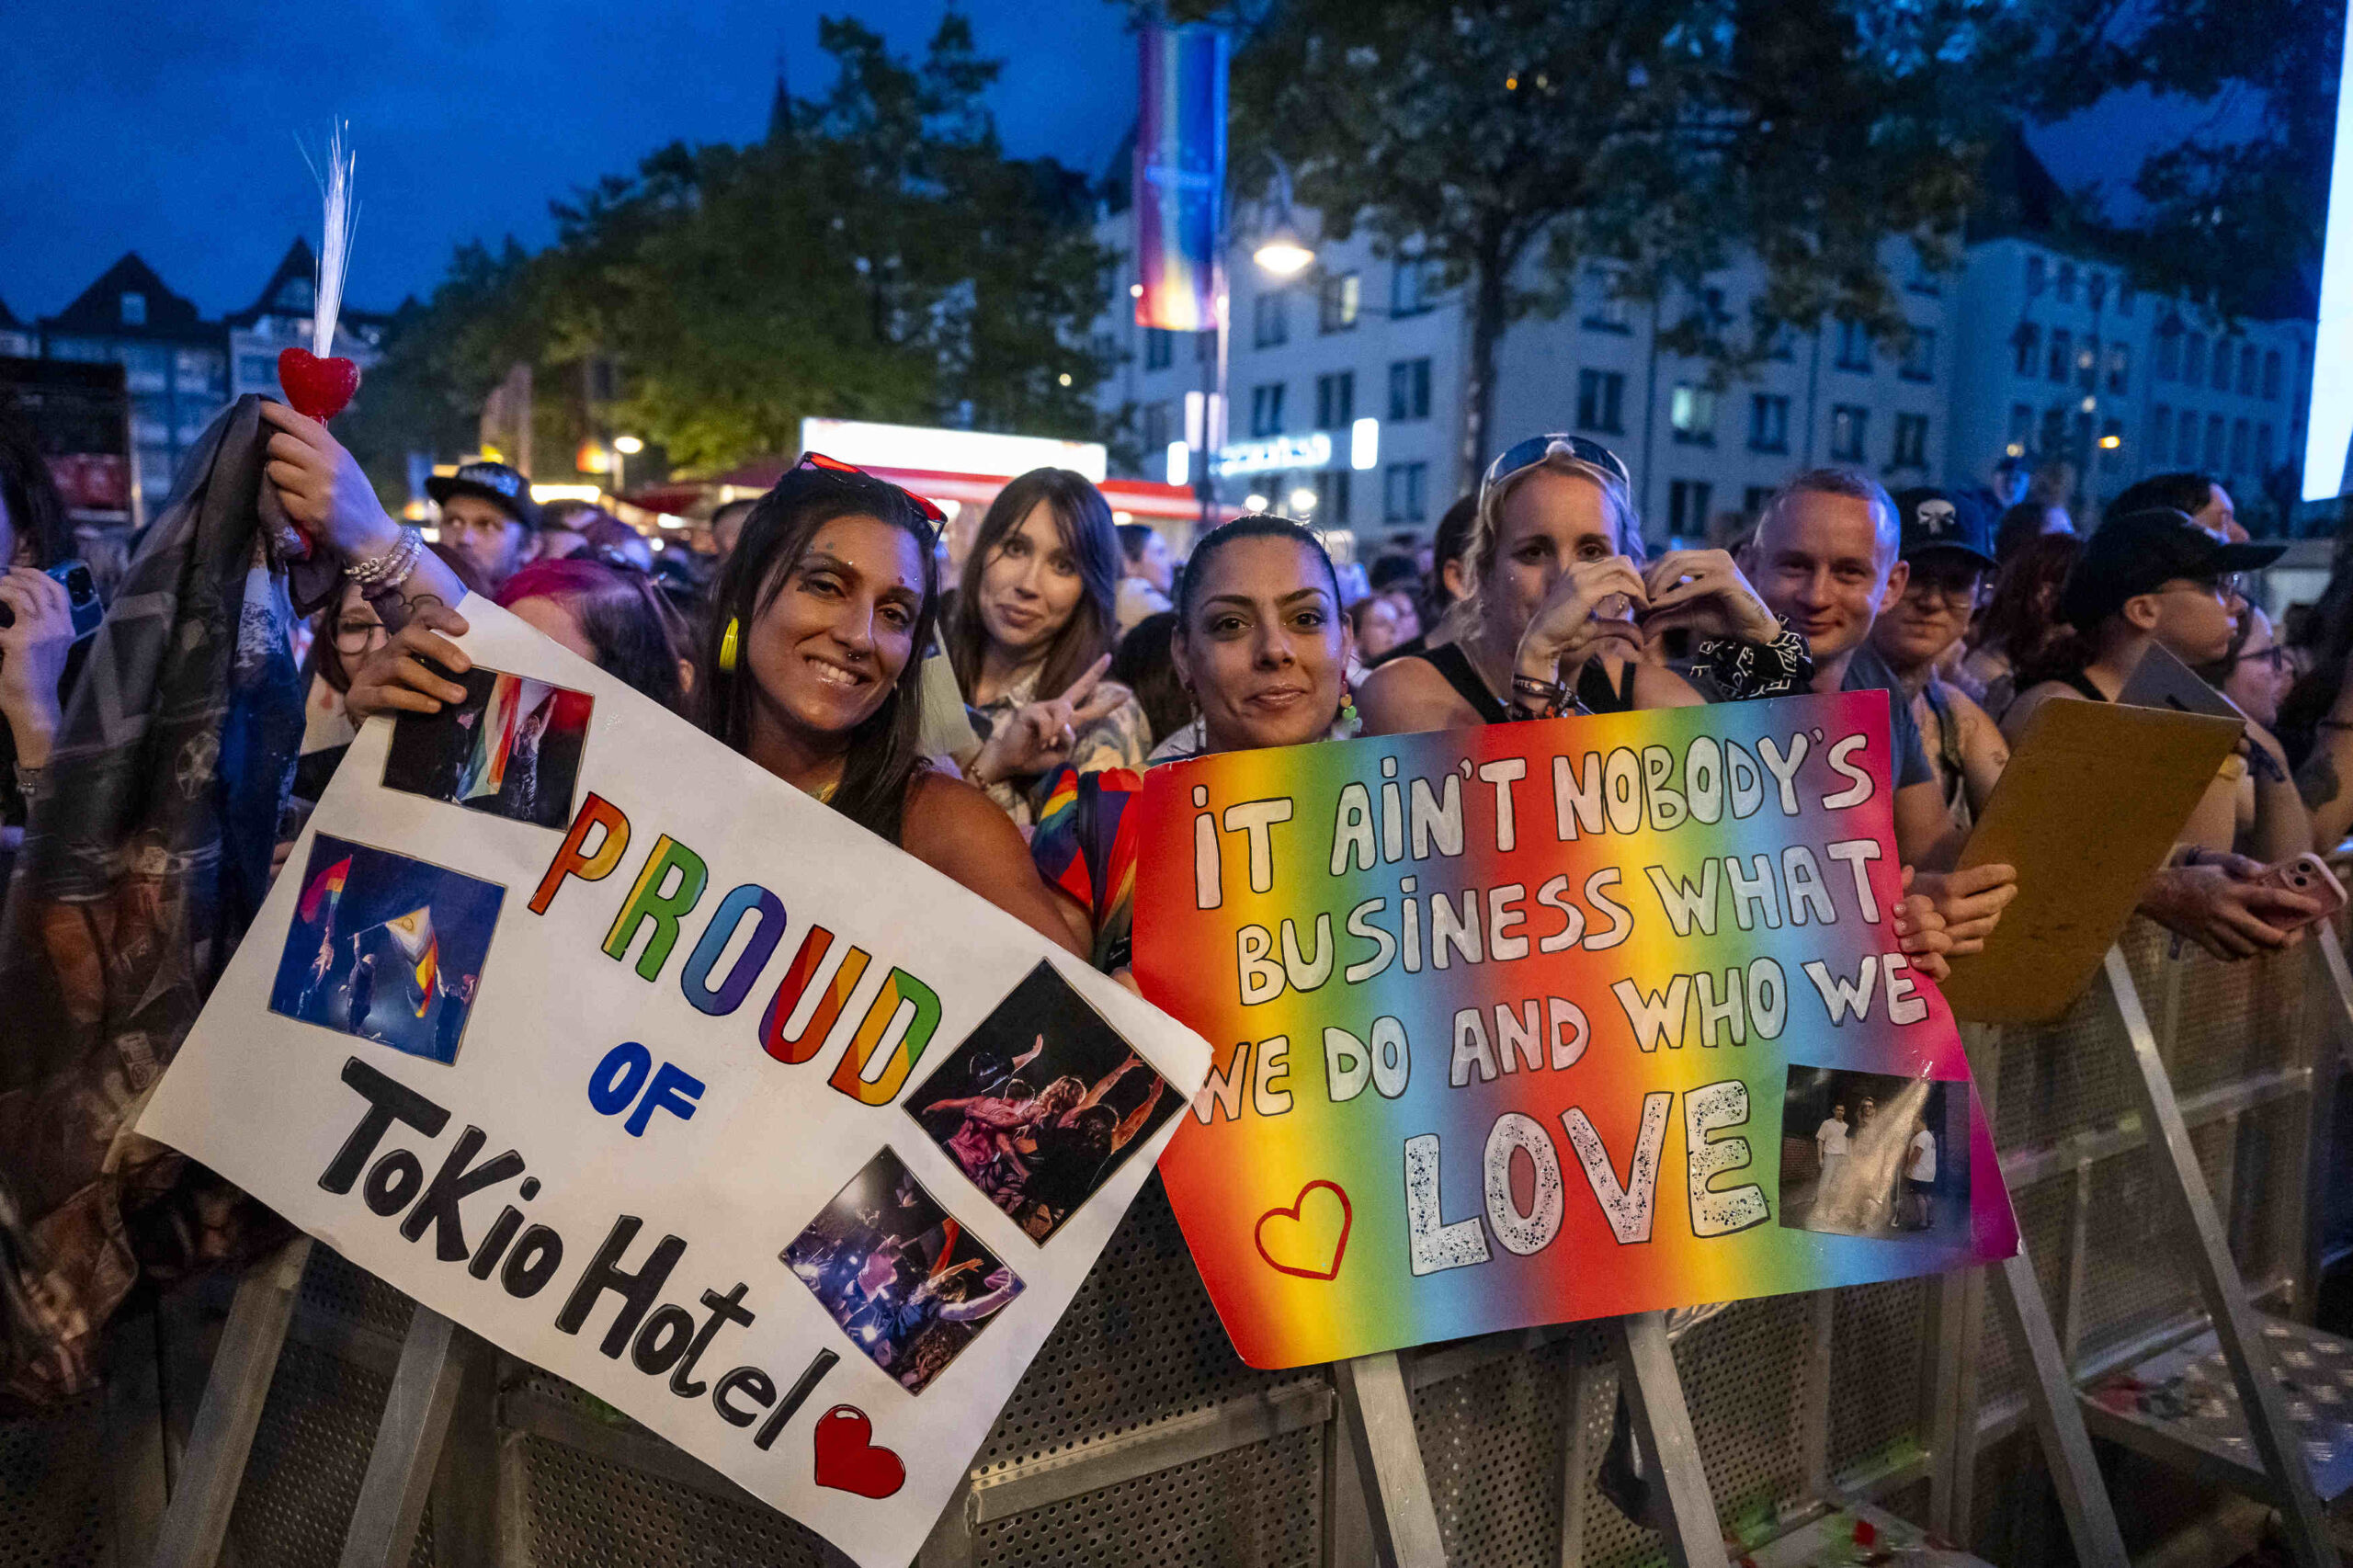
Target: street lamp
(624, 448)
(1282, 252)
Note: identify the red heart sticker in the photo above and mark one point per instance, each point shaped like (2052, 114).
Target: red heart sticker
(848, 1460)
(1301, 1242)
(317, 387)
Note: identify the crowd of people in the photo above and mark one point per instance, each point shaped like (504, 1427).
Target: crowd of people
(993, 714)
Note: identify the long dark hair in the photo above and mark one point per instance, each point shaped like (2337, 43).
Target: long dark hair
(884, 753)
(2022, 616)
(638, 637)
(34, 506)
(1084, 518)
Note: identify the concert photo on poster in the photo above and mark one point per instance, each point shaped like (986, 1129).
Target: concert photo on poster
(511, 748)
(907, 1283)
(385, 948)
(1873, 1155)
(1042, 1103)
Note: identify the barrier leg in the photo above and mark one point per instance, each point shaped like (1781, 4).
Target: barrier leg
(1377, 1411)
(134, 1437)
(408, 1442)
(2066, 1447)
(2235, 1323)
(197, 1519)
(1578, 1461)
(1694, 1537)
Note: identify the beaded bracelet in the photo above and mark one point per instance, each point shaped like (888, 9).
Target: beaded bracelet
(391, 568)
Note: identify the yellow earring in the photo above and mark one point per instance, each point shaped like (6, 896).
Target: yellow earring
(727, 641)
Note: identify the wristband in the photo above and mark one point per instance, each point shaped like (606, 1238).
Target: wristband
(378, 573)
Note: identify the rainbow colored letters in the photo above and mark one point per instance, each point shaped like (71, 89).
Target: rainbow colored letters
(1542, 1022)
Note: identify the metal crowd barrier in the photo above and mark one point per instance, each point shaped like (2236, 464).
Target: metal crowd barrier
(1138, 1437)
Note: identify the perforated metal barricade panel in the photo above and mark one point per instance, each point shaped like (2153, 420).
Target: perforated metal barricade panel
(1261, 1506)
(1492, 1442)
(1745, 1374)
(581, 1512)
(53, 1497)
(1878, 1362)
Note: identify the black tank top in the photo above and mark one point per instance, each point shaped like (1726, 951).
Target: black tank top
(1593, 685)
(2082, 682)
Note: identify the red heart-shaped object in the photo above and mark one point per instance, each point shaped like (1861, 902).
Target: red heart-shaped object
(317, 387)
(1304, 1250)
(849, 1461)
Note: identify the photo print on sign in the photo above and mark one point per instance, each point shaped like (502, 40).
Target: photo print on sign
(386, 947)
(1873, 1155)
(908, 1284)
(1042, 1103)
(512, 748)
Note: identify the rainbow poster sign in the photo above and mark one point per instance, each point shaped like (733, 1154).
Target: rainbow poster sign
(1541, 1022)
(1179, 174)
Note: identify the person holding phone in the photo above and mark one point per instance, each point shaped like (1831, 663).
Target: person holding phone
(37, 646)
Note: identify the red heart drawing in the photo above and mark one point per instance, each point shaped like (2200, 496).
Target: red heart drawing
(1296, 1242)
(317, 387)
(848, 1460)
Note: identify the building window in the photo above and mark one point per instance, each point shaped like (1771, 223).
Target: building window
(1849, 426)
(2185, 451)
(2087, 364)
(1204, 348)
(2160, 433)
(2168, 354)
(2021, 428)
(2063, 356)
(1159, 348)
(1769, 423)
(1691, 412)
(2213, 440)
(2221, 365)
(2066, 289)
(1271, 318)
(2120, 367)
(1335, 399)
(133, 308)
(1785, 343)
(1911, 441)
(2112, 445)
(2246, 369)
(1404, 493)
(257, 370)
(1753, 499)
(1267, 409)
(2027, 343)
(1606, 309)
(2096, 289)
(2193, 358)
(1601, 397)
(1336, 301)
(1410, 288)
(1687, 508)
(2239, 436)
(1853, 346)
(2263, 449)
(1159, 429)
(2271, 374)
(2034, 275)
(1409, 389)
(1920, 355)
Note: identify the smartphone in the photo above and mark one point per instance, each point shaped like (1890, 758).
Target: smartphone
(2307, 874)
(80, 597)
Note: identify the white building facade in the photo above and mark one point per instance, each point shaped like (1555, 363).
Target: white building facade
(2021, 352)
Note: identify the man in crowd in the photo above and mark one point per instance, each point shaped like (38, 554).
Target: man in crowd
(2200, 496)
(562, 531)
(1947, 551)
(1919, 1178)
(727, 525)
(487, 516)
(1151, 575)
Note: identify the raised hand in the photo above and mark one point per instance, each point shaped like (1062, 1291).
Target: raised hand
(1704, 591)
(1039, 735)
(33, 647)
(1569, 628)
(1971, 902)
(396, 678)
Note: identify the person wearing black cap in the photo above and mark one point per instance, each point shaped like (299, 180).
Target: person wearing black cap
(2153, 577)
(487, 516)
(1946, 546)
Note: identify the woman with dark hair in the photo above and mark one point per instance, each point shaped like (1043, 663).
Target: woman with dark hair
(2021, 625)
(1143, 665)
(37, 640)
(1033, 634)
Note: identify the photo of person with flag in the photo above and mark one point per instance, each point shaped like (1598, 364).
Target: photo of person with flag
(512, 748)
(386, 947)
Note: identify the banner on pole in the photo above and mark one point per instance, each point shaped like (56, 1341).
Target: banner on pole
(592, 1036)
(1540, 1022)
(1179, 194)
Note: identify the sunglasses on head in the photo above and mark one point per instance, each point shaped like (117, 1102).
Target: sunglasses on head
(818, 462)
(1536, 448)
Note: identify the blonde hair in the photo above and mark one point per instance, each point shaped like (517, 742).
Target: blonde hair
(1486, 526)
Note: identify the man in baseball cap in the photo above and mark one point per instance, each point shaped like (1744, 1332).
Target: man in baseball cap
(487, 516)
(1947, 540)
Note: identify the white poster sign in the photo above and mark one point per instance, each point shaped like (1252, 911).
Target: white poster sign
(591, 1035)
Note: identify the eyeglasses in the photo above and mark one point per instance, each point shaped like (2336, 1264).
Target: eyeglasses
(1956, 590)
(2278, 656)
(2222, 589)
(818, 462)
(1536, 448)
(361, 637)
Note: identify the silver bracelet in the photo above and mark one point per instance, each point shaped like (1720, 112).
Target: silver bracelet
(391, 568)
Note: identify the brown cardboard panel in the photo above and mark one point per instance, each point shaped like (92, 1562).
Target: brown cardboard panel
(2093, 799)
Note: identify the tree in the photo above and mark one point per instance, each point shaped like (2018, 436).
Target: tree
(1513, 144)
(878, 255)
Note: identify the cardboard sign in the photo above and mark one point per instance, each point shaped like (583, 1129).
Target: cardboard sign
(2089, 805)
(1539, 1022)
(591, 1035)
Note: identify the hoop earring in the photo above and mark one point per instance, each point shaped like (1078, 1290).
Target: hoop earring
(727, 645)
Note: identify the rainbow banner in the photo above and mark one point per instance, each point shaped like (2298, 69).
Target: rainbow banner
(1180, 177)
(1540, 1022)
